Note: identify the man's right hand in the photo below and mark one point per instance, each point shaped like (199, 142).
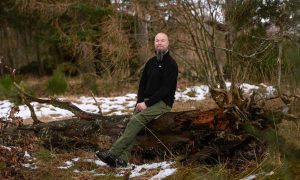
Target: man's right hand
(140, 106)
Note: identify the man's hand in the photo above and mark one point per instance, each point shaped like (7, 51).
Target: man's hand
(140, 106)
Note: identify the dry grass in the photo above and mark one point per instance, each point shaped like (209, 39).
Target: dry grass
(192, 105)
(105, 87)
(49, 161)
(291, 132)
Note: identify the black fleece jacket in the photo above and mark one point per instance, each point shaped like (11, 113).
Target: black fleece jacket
(158, 81)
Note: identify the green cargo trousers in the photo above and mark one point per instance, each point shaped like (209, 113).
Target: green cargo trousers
(123, 146)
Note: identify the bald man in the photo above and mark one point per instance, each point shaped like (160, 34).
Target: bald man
(155, 97)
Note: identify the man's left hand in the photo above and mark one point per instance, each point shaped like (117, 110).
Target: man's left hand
(140, 106)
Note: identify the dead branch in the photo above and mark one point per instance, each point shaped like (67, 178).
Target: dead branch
(61, 104)
(12, 71)
(97, 103)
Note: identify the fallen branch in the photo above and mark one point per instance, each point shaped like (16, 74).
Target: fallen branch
(60, 104)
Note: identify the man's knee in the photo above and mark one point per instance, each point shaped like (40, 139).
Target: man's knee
(135, 122)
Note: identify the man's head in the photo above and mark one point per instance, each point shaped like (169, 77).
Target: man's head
(161, 42)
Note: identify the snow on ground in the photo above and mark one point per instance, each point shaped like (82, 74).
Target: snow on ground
(258, 176)
(117, 106)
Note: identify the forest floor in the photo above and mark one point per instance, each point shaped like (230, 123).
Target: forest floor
(82, 164)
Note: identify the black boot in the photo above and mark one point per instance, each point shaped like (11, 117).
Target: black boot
(110, 159)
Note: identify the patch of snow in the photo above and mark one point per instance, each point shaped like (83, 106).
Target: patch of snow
(250, 177)
(31, 166)
(98, 174)
(5, 147)
(271, 91)
(27, 155)
(254, 176)
(248, 87)
(192, 93)
(68, 164)
(137, 171)
(76, 171)
(75, 159)
(100, 163)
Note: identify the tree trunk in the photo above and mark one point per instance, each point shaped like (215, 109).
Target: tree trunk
(143, 23)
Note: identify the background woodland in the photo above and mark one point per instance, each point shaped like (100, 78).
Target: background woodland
(212, 41)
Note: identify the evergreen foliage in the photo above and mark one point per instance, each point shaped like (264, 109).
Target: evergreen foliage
(6, 83)
(57, 84)
(7, 89)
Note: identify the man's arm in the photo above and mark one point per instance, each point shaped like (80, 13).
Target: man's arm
(142, 85)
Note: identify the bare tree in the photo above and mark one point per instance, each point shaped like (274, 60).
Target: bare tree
(216, 29)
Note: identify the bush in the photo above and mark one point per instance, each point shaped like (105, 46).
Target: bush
(6, 84)
(57, 84)
(7, 90)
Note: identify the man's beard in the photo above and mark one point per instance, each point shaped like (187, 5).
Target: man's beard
(160, 54)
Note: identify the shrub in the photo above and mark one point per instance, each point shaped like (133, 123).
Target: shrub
(57, 84)
(6, 84)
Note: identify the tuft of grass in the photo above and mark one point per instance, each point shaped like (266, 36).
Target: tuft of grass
(84, 166)
(44, 155)
(192, 93)
(57, 84)
(113, 87)
(2, 165)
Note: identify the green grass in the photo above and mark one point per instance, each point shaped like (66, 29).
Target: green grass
(44, 155)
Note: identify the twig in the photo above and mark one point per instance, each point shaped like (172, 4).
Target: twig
(12, 71)
(244, 55)
(97, 103)
(32, 112)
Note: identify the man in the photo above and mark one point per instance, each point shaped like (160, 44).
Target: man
(155, 97)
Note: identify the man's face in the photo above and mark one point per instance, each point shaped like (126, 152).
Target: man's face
(161, 42)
